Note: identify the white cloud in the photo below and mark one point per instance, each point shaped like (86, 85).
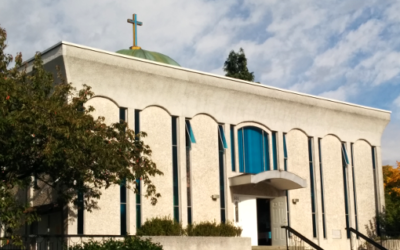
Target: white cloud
(396, 102)
(343, 93)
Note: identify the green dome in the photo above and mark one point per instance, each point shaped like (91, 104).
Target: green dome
(148, 55)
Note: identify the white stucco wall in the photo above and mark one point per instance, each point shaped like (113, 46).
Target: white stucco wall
(300, 213)
(204, 169)
(109, 204)
(364, 181)
(156, 122)
(333, 193)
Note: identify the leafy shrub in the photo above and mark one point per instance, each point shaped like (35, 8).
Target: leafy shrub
(129, 243)
(213, 229)
(167, 227)
(160, 227)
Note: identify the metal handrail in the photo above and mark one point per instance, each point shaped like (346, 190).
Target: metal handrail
(366, 238)
(309, 242)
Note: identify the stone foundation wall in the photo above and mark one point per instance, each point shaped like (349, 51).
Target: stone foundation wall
(202, 243)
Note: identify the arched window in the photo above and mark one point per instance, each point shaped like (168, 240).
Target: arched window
(253, 150)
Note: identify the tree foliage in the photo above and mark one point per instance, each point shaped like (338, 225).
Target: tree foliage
(390, 219)
(392, 179)
(236, 66)
(47, 132)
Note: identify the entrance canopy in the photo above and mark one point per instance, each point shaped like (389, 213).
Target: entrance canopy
(281, 180)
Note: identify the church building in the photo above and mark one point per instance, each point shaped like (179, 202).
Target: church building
(230, 150)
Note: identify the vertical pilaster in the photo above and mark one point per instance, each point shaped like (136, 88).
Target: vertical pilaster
(317, 189)
(182, 170)
(227, 171)
(131, 196)
(379, 178)
(350, 191)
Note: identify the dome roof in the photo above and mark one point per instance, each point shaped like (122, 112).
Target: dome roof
(148, 55)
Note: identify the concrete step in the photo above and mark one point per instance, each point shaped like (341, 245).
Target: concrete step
(268, 247)
(275, 248)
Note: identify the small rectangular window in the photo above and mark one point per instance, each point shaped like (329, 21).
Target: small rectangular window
(233, 161)
(123, 222)
(122, 114)
(373, 151)
(137, 121)
(190, 132)
(138, 205)
(123, 207)
(221, 153)
(345, 162)
(80, 212)
(344, 151)
(312, 188)
(188, 171)
(274, 151)
(285, 154)
(241, 150)
(222, 136)
(175, 168)
(354, 186)
(138, 189)
(266, 152)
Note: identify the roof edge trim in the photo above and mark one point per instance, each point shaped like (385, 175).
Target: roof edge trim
(208, 74)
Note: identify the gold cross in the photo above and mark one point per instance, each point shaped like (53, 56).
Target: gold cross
(135, 22)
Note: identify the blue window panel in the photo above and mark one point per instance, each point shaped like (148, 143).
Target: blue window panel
(138, 205)
(373, 158)
(138, 216)
(312, 188)
(233, 161)
(123, 219)
(285, 154)
(284, 146)
(253, 145)
(137, 121)
(354, 187)
(190, 216)
(122, 192)
(176, 214)
(345, 162)
(122, 114)
(223, 218)
(344, 151)
(222, 136)
(80, 213)
(274, 151)
(310, 158)
(221, 153)
(175, 168)
(378, 231)
(174, 129)
(266, 152)
(138, 194)
(241, 150)
(175, 176)
(190, 132)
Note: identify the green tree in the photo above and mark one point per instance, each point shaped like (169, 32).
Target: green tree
(391, 181)
(47, 133)
(236, 66)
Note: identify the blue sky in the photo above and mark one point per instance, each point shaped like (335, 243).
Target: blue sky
(347, 50)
